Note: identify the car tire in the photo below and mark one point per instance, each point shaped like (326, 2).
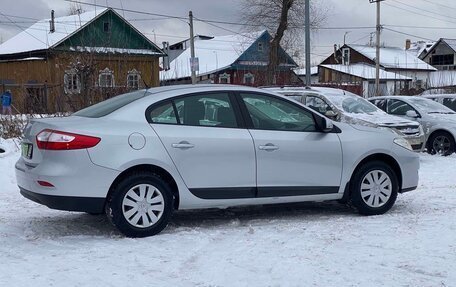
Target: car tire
(140, 205)
(441, 143)
(374, 187)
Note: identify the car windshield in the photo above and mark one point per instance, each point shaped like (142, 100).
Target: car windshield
(106, 107)
(429, 106)
(351, 103)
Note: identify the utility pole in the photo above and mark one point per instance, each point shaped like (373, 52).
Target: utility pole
(377, 46)
(193, 64)
(307, 39)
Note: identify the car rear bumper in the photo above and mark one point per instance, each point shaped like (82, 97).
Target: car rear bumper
(69, 203)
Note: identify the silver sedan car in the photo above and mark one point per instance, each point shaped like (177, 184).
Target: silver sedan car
(140, 156)
(438, 121)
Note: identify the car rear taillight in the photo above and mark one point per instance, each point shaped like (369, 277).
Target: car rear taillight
(58, 140)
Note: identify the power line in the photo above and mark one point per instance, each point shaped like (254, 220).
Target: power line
(22, 29)
(419, 9)
(407, 34)
(417, 13)
(438, 4)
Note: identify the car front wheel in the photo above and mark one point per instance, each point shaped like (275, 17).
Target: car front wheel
(374, 188)
(441, 143)
(141, 205)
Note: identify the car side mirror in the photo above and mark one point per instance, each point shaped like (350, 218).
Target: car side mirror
(325, 125)
(330, 114)
(411, 114)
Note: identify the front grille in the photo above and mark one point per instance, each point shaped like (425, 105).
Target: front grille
(417, 146)
(409, 130)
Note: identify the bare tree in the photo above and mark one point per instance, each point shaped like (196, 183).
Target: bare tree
(75, 9)
(284, 19)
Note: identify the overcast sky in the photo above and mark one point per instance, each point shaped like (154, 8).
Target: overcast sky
(424, 19)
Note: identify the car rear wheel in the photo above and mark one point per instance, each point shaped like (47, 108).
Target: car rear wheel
(140, 205)
(374, 188)
(441, 143)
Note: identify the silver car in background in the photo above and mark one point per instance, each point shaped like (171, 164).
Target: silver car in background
(448, 100)
(438, 121)
(344, 106)
(140, 156)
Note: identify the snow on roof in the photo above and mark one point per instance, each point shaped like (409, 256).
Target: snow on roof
(417, 48)
(441, 79)
(302, 71)
(391, 57)
(213, 55)
(365, 71)
(38, 36)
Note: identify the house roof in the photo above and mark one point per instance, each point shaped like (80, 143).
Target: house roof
(213, 55)
(393, 58)
(365, 71)
(450, 42)
(38, 36)
(420, 47)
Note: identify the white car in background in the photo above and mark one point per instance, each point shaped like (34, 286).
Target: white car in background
(344, 106)
(448, 100)
(438, 121)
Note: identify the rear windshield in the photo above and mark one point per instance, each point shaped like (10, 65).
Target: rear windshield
(106, 107)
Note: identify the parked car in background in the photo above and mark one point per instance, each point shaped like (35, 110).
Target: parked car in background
(343, 106)
(140, 156)
(438, 121)
(448, 100)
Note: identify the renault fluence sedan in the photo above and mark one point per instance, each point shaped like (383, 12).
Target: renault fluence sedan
(140, 156)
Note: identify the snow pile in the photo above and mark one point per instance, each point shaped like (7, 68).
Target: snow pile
(8, 147)
(307, 244)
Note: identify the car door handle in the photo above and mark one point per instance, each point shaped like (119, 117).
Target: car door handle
(183, 145)
(268, 147)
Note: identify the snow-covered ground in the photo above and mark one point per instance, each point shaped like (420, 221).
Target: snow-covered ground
(311, 244)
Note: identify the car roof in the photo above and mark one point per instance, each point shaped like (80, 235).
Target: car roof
(198, 87)
(440, 96)
(394, 97)
(306, 89)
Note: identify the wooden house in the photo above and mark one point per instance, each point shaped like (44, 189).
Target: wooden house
(65, 63)
(401, 71)
(240, 59)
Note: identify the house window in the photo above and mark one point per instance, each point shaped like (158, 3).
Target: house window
(133, 78)
(72, 82)
(249, 79)
(346, 56)
(106, 78)
(107, 27)
(260, 47)
(442, 59)
(224, 78)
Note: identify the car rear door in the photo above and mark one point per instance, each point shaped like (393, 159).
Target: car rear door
(293, 158)
(204, 135)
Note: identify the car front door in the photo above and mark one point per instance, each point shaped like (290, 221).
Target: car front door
(293, 157)
(400, 108)
(203, 134)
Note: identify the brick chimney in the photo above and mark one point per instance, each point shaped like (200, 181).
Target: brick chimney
(408, 43)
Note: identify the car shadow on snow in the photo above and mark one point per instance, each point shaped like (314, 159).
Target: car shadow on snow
(63, 224)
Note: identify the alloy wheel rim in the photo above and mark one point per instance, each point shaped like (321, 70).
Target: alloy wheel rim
(441, 145)
(376, 188)
(143, 205)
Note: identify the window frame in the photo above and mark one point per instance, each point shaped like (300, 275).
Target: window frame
(232, 101)
(106, 72)
(71, 75)
(398, 115)
(134, 73)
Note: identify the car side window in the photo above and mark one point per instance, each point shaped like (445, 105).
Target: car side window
(398, 107)
(164, 114)
(317, 104)
(213, 110)
(381, 104)
(271, 113)
(450, 103)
